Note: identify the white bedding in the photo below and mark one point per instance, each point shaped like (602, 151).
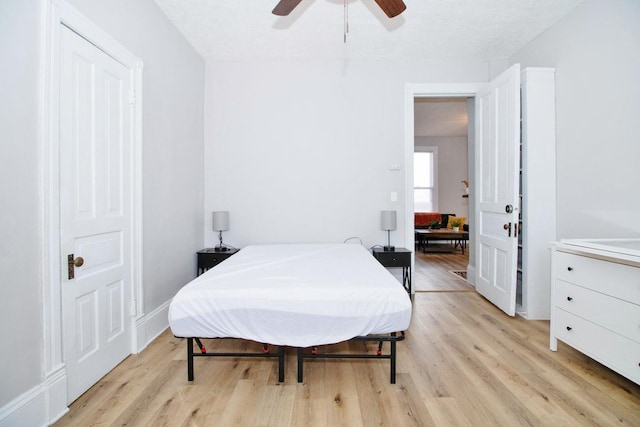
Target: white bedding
(295, 295)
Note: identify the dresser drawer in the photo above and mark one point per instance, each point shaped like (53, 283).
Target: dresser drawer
(610, 278)
(617, 352)
(611, 313)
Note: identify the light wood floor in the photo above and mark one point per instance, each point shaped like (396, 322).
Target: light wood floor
(463, 363)
(432, 271)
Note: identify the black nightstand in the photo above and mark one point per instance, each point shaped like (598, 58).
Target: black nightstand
(208, 258)
(401, 258)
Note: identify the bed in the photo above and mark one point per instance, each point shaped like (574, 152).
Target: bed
(302, 296)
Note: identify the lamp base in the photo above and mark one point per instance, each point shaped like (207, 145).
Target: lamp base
(389, 248)
(221, 249)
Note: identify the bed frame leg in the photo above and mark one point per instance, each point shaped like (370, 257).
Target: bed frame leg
(300, 361)
(393, 360)
(281, 364)
(190, 359)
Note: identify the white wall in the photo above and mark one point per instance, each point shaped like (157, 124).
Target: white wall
(300, 151)
(20, 240)
(452, 169)
(173, 174)
(596, 52)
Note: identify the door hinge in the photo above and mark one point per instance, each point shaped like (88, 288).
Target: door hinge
(132, 97)
(133, 309)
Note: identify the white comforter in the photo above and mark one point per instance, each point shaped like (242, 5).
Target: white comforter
(295, 295)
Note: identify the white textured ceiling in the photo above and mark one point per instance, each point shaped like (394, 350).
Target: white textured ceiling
(429, 30)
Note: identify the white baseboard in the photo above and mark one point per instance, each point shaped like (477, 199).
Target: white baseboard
(28, 409)
(43, 405)
(56, 386)
(151, 325)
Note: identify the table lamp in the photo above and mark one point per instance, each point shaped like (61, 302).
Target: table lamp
(388, 223)
(220, 224)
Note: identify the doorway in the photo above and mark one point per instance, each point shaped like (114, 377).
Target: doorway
(434, 92)
(493, 197)
(441, 172)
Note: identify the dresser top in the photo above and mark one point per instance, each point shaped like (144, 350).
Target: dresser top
(618, 249)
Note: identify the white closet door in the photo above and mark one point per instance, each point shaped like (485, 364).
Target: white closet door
(95, 210)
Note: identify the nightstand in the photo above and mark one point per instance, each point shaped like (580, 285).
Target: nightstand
(400, 258)
(209, 258)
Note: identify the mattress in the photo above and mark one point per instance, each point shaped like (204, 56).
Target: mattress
(294, 295)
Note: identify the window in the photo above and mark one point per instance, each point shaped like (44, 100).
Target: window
(424, 179)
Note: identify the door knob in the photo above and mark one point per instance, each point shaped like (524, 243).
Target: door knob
(72, 263)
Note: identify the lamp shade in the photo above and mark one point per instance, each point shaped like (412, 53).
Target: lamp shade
(221, 221)
(388, 220)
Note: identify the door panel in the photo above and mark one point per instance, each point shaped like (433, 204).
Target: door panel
(115, 313)
(86, 310)
(101, 253)
(497, 167)
(95, 214)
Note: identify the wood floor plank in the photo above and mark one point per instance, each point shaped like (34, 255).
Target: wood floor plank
(432, 272)
(275, 405)
(147, 406)
(411, 411)
(343, 407)
(445, 411)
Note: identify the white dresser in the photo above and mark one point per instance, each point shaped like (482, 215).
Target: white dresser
(595, 301)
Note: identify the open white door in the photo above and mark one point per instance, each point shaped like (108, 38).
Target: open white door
(95, 210)
(497, 163)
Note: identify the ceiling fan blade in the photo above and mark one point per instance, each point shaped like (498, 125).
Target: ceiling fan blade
(284, 7)
(392, 7)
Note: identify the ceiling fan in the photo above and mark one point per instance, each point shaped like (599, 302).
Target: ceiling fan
(391, 8)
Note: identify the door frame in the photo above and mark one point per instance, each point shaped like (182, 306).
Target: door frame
(428, 90)
(56, 14)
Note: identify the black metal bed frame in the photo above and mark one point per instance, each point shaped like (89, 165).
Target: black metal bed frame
(392, 338)
(203, 353)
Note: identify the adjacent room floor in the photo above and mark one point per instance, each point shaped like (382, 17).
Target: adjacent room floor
(433, 271)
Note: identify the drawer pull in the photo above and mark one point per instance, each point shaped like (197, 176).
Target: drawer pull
(569, 328)
(569, 268)
(569, 298)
